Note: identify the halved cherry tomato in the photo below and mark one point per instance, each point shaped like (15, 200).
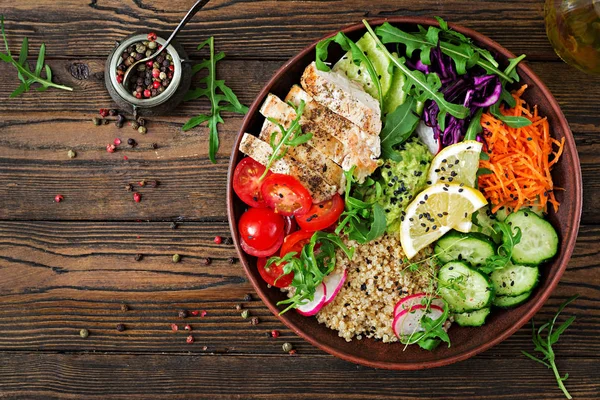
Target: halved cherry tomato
(271, 274)
(261, 253)
(261, 228)
(246, 182)
(322, 215)
(295, 242)
(286, 195)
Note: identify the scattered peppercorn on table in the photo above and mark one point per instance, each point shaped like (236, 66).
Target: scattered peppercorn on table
(118, 277)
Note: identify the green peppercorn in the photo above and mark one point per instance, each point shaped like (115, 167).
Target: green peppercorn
(151, 45)
(176, 258)
(135, 125)
(169, 57)
(71, 154)
(84, 333)
(287, 347)
(148, 53)
(142, 130)
(97, 121)
(245, 314)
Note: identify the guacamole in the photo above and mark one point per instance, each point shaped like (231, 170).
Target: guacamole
(402, 180)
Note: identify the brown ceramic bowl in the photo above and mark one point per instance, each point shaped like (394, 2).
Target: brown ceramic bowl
(466, 342)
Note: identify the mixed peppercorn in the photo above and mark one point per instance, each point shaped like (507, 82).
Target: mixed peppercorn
(148, 79)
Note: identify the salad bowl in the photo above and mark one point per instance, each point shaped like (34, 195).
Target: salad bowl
(466, 342)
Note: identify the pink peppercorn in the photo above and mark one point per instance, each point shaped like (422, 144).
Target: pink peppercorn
(137, 197)
(218, 239)
(195, 312)
(174, 327)
(274, 333)
(171, 68)
(119, 78)
(149, 63)
(156, 84)
(117, 141)
(203, 314)
(190, 339)
(58, 198)
(147, 93)
(104, 112)
(138, 95)
(188, 328)
(110, 148)
(152, 36)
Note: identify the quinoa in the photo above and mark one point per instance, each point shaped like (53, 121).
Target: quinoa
(378, 277)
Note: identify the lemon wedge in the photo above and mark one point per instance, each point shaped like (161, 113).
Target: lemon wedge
(436, 210)
(457, 163)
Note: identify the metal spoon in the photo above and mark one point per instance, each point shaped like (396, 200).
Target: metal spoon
(195, 8)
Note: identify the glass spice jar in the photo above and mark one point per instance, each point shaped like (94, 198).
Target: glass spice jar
(159, 104)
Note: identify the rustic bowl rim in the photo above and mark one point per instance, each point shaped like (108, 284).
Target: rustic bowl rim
(535, 305)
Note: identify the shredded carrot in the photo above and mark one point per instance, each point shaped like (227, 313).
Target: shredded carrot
(520, 159)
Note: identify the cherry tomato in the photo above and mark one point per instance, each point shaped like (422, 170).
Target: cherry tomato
(322, 215)
(271, 274)
(261, 253)
(290, 225)
(286, 195)
(261, 228)
(246, 182)
(295, 242)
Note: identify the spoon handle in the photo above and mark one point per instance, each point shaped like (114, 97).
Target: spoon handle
(190, 14)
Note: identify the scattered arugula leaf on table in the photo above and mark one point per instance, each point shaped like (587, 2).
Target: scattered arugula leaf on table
(544, 345)
(310, 267)
(26, 76)
(226, 96)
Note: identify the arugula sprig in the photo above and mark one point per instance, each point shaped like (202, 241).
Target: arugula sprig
(422, 87)
(316, 260)
(362, 220)
(358, 57)
(544, 345)
(26, 76)
(226, 96)
(504, 252)
(291, 136)
(399, 126)
(510, 120)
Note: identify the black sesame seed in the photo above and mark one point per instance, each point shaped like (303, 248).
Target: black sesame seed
(363, 287)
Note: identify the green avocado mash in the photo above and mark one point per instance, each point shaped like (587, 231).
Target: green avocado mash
(402, 180)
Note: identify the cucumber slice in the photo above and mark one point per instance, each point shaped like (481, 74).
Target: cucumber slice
(504, 212)
(514, 280)
(396, 96)
(464, 288)
(539, 240)
(472, 318)
(359, 73)
(510, 301)
(483, 221)
(473, 248)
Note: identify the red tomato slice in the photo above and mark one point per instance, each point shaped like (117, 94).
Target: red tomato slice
(286, 195)
(295, 242)
(271, 274)
(322, 215)
(261, 228)
(246, 182)
(261, 253)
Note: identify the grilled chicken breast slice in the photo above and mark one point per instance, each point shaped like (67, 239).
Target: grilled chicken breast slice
(314, 182)
(344, 97)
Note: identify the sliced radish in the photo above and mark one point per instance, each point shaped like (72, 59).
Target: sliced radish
(407, 302)
(408, 322)
(334, 283)
(312, 307)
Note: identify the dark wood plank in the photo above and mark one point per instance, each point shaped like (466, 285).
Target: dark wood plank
(59, 277)
(94, 376)
(257, 29)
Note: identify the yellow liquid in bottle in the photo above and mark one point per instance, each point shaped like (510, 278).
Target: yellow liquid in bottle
(573, 28)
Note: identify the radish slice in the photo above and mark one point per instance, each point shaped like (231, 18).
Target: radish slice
(407, 302)
(334, 283)
(312, 307)
(408, 322)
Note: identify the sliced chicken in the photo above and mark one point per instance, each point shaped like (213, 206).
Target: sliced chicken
(311, 158)
(344, 97)
(322, 141)
(361, 148)
(313, 181)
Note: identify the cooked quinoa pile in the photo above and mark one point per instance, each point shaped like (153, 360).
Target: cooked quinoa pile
(378, 277)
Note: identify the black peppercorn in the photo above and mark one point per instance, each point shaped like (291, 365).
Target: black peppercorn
(206, 261)
(97, 121)
(120, 327)
(131, 142)
(227, 240)
(248, 297)
(106, 122)
(124, 307)
(173, 225)
(138, 257)
(154, 146)
(182, 313)
(129, 187)
(142, 121)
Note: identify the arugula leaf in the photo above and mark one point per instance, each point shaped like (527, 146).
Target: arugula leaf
(398, 127)
(474, 127)
(226, 96)
(310, 267)
(27, 77)
(505, 250)
(544, 345)
(433, 329)
(512, 121)
(357, 56)
(426, 87)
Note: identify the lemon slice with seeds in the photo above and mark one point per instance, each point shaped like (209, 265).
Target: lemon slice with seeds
(436, 210)
(457, 163)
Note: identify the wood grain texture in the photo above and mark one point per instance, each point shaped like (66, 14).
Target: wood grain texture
(59, 277)
(262, 29)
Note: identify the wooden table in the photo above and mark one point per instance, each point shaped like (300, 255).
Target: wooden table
(71, 265)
